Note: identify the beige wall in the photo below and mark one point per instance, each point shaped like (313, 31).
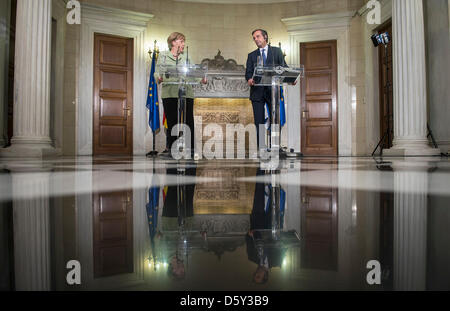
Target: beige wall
(70, 88)
(438, 68)
(209, 27)
(357, 82)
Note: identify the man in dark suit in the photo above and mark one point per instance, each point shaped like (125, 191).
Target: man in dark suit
(271, 56)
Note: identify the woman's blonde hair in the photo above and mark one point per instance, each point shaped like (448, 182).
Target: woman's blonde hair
(174, 36)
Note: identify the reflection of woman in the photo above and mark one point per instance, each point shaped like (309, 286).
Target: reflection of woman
(169, 92)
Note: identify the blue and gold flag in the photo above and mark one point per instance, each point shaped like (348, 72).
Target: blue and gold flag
(152, 99)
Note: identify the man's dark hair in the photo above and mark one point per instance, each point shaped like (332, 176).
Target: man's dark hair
(263, 32)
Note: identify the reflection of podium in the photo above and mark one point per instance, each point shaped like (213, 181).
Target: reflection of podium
(275, 76)
(182, 75)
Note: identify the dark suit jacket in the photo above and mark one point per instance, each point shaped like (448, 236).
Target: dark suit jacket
(274, 57)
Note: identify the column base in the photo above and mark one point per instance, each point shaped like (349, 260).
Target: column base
(411, 152)
(29, 151)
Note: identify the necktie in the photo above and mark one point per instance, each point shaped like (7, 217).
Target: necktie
(264, 56)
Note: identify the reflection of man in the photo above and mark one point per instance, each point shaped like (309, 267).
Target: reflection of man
(257, 250)
(270, 56)
(175, 219)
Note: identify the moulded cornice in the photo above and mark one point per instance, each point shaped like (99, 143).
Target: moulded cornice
(89, 11)
(327, 20)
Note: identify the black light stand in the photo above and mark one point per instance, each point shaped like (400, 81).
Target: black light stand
(377, 40)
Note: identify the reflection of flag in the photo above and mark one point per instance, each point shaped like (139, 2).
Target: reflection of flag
(267, 116)
(282, 112)
(282, 109)
(152, 99)
(282, 207)
(267, 197)
(165, 193)
(152, 211)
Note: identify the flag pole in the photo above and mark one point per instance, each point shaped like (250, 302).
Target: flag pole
(153, 153)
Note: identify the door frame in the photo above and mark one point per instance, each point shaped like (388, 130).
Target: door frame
(116, 22)
(326, 27)
(98, 149)
(334, 101)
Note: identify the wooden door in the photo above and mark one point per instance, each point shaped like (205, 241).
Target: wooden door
(113, 95)
(319, 98)
(113, 233)
(319, 228)
(386, 89)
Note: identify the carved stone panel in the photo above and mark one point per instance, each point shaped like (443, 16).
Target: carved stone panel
(227, 196)
(226, 79)
(223, 111)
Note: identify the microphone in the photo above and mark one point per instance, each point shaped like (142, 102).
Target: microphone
(187, 56)
(273, 57)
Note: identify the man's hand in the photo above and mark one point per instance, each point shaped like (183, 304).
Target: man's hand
(204, 81)
(251, 82)
(160, 79)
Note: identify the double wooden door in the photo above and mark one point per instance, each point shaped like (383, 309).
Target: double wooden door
(113, 95)
(319, 99)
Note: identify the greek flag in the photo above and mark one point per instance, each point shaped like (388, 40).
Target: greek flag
(282, 112)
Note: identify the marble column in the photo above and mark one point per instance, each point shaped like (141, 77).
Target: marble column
(31, 220)
(31, 133)
(410, 230)
(410, 93)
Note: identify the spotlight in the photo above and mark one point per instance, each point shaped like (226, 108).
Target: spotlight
(382, 38)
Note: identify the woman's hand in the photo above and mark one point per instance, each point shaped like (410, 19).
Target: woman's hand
(160, 79)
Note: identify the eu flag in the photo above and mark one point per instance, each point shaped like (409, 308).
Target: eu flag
(282, 207)
(152, 99)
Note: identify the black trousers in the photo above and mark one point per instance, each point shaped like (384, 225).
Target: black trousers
(259, 109)
(170, 109)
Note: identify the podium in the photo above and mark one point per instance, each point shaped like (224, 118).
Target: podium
(182, 75)
(274, 77)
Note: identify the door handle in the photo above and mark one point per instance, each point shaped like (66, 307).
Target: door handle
(128, 110)
(304, 114)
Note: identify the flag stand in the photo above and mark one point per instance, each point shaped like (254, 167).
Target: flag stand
(152, 153)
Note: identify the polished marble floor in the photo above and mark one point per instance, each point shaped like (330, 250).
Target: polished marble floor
(154, 224)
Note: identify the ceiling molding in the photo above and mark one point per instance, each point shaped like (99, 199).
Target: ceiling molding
(89, 11)
(327, 20)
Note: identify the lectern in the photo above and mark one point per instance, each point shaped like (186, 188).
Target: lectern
(182, 75)
(274, 77)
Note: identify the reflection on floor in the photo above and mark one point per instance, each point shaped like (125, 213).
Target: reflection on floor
(150, 224)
